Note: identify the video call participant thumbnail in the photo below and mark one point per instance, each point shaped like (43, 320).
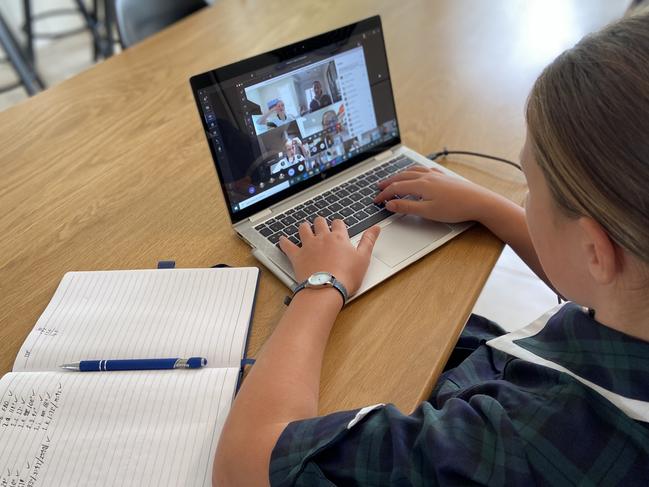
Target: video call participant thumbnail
(294, 152)
(276, 115)
(320, 99)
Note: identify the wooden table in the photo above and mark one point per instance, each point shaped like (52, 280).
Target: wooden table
(111, 170)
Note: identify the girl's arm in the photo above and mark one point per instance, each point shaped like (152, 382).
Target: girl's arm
(507, 221)
(284, 383)
(450, 199)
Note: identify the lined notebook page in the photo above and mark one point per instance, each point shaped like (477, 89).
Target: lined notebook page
(65, 429)
(155, 313)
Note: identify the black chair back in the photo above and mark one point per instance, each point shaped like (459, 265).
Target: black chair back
(138, 19)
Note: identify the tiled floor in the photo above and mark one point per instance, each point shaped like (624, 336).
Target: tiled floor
(56, 62)
(514, 296)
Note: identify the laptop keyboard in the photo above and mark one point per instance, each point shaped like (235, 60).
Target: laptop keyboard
(351, 201)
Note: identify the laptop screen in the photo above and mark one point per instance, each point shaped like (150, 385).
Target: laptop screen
(283, 121)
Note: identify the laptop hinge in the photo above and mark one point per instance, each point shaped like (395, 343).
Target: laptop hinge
(258, 216)
(384, 155)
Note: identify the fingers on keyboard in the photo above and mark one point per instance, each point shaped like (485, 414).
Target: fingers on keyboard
(352, 202)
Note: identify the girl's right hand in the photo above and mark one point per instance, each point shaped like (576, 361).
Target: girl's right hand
(330, 250)
(442, 197)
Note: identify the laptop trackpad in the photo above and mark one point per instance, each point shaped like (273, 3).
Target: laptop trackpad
(406, 236)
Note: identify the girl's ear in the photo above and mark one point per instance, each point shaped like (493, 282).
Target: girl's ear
(603, 260)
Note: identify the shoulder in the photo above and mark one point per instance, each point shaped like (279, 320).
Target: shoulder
(480, 436)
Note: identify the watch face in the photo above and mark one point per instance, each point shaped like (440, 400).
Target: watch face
(320, 279)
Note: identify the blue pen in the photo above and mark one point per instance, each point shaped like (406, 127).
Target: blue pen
(136, 364)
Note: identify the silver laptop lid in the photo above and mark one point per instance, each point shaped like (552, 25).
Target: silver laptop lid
(282, 121)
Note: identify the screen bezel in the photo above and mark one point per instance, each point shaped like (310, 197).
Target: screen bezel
(213, 78)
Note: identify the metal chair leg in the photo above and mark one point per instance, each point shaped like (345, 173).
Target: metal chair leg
(25, 70)
(29, 31)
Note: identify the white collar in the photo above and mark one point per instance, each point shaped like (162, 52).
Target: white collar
(633, 408)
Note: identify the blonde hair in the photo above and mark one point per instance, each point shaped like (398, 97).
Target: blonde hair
(588, 124)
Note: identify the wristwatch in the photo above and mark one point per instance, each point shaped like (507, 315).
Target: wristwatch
(319, 280)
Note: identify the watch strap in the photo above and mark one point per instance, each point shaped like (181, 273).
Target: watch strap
(336, 284)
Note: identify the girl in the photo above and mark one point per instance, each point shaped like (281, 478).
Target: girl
(563, 401)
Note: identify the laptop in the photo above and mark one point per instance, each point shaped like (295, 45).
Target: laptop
(309, 129)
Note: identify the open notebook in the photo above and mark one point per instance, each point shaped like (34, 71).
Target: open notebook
(149, 428)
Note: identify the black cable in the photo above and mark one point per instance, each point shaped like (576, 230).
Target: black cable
(445, 152)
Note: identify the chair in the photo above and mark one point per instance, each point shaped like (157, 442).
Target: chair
(138, 19)
(21, 60)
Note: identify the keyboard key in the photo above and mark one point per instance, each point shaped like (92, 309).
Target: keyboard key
(310, 209)
(331, 199)
(300, 216)
(287, 220)
(276, 227)
(362, 182)
(368, 222)
(361, 215)
(341, 193)
(346, 212)
(321, 204)
(357, 206)
(335, 207)
(372, 178)
(295, 240)
(372, 209)
(265, 231)
(274, 238)
(350, 220)
(403, 162)
(271, 221)
(290, 230)
(353, 188)
(336, 216)
(346, 201)
(367, 191)
(367, 201)
(326, 212)
(356, 196)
